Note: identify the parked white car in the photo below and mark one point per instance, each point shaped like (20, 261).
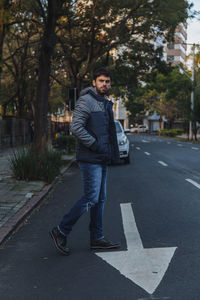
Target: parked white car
(123, 143)
(140, 128)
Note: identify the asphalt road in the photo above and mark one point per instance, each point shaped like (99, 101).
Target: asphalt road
(162, 183)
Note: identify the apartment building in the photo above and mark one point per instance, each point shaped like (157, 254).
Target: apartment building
(176, 52)
(120, 112)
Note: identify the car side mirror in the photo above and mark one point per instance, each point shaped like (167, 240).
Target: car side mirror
(127, 130)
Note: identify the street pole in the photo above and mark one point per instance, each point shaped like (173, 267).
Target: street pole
(192, 93)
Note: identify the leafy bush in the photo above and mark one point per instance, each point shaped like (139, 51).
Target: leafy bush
(171, 132)
(179, 131)
(27, 165)
(67, 142)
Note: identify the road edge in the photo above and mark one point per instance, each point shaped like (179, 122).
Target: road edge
(10, 226)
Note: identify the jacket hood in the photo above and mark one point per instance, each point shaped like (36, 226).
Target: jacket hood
(93, 93)
(88, 90)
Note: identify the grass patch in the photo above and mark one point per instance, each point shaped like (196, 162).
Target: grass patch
(171, 132)
(27, 165)
(186, 140)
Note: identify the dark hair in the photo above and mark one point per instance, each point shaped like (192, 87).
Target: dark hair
(102, 71)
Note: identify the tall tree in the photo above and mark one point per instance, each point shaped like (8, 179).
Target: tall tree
(167, 94)
(4, 11)
(4, 6)
(67, 38)
(93, 28)
(20, 59)
(51, 11)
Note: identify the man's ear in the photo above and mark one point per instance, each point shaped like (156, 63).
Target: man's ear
(93, 83)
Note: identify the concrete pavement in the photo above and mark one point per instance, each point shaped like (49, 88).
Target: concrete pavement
(185, 136)
(18, 198)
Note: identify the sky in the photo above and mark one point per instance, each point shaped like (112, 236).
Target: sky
(193, 30)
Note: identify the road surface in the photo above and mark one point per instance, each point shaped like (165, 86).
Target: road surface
(153, 204)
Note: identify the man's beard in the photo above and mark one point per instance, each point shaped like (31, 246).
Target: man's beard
(101, 93)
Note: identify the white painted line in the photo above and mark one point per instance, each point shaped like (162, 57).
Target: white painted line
(138, 148)
(144, 267)
(195, 148)
(29, 195)
(145, 141)
(193, 182)
(162, 163)
(179, 145)
(168, 143)
(147, 153)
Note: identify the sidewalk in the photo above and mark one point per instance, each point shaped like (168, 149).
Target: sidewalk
(18, 198)
(185, 136)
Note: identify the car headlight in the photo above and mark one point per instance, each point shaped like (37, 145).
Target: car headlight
(123, 141)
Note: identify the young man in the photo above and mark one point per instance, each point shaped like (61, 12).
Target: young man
(94, 127)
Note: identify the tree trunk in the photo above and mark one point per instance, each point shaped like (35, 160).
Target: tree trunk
(2, 33)
(194, 127)
(160, 125)
(3, 6)
(79, 81)
(41, 104)
(170, 123)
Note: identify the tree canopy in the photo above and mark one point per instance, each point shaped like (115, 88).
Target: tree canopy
(57, 42)
(167, 94)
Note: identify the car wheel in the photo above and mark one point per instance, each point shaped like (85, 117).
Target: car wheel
(127, 159)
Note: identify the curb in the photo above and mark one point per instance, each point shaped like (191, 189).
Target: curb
(8, 228)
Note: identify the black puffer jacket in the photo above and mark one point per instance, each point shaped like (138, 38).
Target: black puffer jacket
(93, 125)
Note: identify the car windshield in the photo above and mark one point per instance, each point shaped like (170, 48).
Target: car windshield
(118, 127)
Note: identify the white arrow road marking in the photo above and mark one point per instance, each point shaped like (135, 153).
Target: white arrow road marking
(145, 267)
(162, 163)
(180, 145)
(195, 148)
(138, 148)
(147, 153)
(168, 143)
(193, 182)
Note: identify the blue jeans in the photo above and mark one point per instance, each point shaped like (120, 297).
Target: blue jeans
(94, 183)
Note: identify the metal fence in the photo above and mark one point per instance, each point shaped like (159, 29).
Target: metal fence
(17, 132)
(14, 132)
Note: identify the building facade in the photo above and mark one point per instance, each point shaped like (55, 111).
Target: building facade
(120, 112)
(176, 51)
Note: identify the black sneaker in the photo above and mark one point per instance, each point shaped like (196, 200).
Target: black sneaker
(103, 244)
(60, 241)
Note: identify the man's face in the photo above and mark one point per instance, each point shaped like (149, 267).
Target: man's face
(102, 84)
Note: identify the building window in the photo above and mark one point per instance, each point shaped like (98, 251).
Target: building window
(170, 58)
(170, 46)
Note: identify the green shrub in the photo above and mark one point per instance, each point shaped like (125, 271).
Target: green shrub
(171, 132)
(179, 131)
(67, 142)
(27, 165)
